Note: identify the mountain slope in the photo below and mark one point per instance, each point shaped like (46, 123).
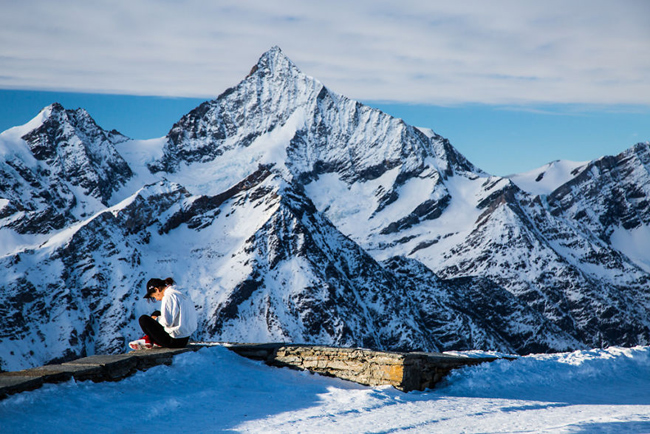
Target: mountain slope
(263, 264)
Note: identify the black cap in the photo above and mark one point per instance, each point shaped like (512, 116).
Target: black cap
(153, 285)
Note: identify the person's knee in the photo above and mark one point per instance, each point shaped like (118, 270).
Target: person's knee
(144, 319)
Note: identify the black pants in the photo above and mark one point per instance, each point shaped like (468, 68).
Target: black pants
(158, 335)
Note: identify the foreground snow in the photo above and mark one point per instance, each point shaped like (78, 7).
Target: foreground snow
(216, 390)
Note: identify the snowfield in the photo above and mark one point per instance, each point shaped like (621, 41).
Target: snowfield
(214, 390)
(549, 177)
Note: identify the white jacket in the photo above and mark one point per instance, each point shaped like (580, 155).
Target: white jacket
(177, 314)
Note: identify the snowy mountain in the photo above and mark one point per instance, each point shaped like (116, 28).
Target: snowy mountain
(56, 169)
(292, 213)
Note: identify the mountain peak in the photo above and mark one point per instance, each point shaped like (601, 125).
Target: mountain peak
(58, 114)
(273, 53)
(79, 121)
(55, 107)
(275, 63)
(76, 149)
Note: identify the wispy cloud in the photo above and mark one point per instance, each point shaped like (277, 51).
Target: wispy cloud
(437, 52)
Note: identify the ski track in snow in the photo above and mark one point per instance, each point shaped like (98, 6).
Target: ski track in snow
(215, 390)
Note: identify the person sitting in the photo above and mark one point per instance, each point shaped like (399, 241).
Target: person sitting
(172, 326)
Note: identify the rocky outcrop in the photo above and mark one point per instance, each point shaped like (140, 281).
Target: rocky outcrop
(403, 371)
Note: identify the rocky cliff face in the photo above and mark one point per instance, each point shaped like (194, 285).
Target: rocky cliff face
(291, 213)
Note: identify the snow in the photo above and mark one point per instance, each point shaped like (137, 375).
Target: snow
(138, 153)
(214, 390)
(11, 242)
(455, 223)
(353, 215)
(12, 146)
(546, 179)
(634, 244)
(272, 147)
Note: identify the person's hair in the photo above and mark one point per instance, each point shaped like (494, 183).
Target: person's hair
(154, 284)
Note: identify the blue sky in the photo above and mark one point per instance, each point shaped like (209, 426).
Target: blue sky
(512, 84)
